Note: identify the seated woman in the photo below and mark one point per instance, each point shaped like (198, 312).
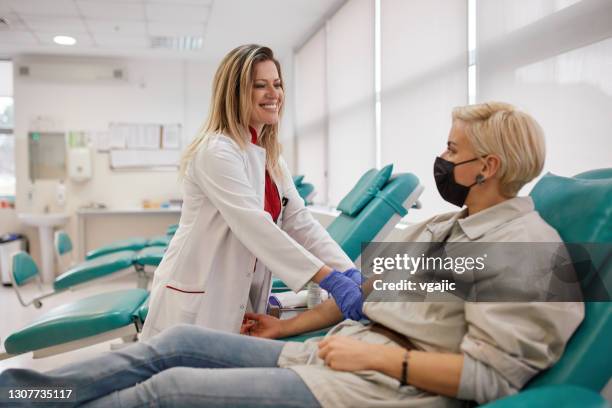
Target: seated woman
(408, 354)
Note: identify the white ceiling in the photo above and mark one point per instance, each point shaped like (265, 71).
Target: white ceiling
(126, 27)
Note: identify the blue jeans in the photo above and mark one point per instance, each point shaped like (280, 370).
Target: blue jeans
(185, 366)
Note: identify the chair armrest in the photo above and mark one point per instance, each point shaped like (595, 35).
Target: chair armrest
(305, 336)
(558, 396)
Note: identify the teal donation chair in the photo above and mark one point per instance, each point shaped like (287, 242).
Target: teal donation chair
(24, 272)
(92, 320)
(370, 211)
(110, 265)
(101, 265)
(63, 244)
(133, 244)
(586, 364)
(305, 190)
(580, 209)
(171, 230)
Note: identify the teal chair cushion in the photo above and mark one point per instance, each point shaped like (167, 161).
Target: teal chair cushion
(94, 268)
(308, 335)
(595, 174)
(150, 256)
(364, 191)
(558, 396)
(279, 286)
(24, 268)
(587, 360)
(172, 229)
(561, 202)
(297, 179)
(83, 318)
(161, 240)
(63, 243)
(305, 190)
(132, 244)
(142, 312)
(350, 232)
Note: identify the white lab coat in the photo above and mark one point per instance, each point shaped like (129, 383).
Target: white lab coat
(219, 263)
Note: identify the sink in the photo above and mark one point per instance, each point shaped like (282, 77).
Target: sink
(44, 220)
(45, 224)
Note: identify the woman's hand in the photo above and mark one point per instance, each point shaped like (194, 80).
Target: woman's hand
(347, 354)
(261, 325)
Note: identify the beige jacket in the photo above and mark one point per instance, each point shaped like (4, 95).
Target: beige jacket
(504, 344)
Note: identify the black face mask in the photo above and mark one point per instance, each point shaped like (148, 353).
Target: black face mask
(449, 189)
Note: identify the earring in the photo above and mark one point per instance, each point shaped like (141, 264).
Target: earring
(480, 179)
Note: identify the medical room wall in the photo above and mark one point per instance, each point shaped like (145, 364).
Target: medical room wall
(156, 91)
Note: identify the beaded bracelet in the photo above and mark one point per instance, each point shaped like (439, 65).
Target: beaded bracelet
(404, 380)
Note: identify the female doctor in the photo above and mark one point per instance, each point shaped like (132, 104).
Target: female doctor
(242, 218)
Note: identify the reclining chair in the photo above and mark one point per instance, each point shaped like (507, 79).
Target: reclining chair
(102, 267)
(63, 244)
(121, 314)
(586, 365)
(305, 190)
(100, 263)
(82, 323)
(370, 211)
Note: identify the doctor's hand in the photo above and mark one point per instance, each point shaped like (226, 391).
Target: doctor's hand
(347, 354)
(354, 275)
(261, 325)
(346, 293)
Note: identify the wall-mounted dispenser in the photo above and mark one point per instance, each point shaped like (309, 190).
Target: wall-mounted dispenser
(79, 164)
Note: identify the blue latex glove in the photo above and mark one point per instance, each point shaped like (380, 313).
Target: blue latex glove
(354, 275)
(346, 293)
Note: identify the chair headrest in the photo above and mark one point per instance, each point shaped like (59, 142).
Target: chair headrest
(63, 243)
(365, 190)
(586, 228)
(595, 174)
(298, 179)
(561, 202)
(24, 268)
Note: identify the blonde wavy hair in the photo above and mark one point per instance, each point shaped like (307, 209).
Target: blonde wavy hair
(514, 136)
(231, 105)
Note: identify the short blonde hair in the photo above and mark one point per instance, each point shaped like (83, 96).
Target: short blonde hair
(231, 104)
(514, 136)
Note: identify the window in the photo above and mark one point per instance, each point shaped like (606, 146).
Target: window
(7, 140)
(6, 114)
(564, 78)
(424, 49)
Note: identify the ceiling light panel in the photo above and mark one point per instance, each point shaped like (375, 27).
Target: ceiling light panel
(64, 8)
(112, 10)
(117, 27)
(177, 43)
(82, 40)
(177, 12)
